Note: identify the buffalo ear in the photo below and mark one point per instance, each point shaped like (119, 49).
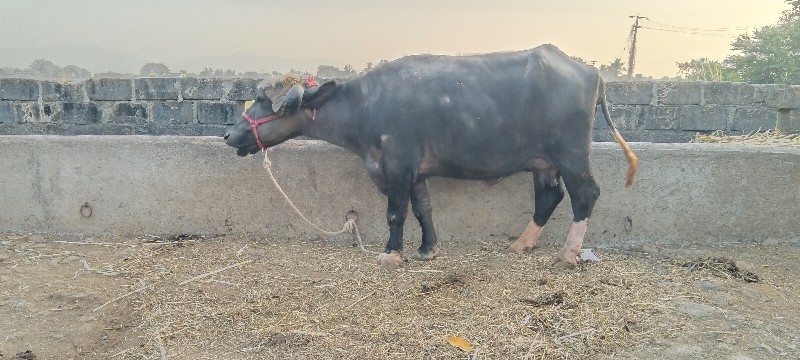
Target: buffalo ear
(261, 94)
(262, 99)
(291, 103)
(315, 97)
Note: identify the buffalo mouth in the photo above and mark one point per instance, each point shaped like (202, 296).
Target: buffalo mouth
(243, 151)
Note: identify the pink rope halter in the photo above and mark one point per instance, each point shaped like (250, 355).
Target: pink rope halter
(254, 124)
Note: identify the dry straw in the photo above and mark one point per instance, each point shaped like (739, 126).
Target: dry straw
(768, 137)
(325, 300)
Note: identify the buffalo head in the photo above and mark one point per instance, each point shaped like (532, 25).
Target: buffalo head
(276, 124)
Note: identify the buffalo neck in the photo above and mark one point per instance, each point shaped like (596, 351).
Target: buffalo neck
(336, 122)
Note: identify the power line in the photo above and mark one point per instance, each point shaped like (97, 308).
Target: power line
(716, 32)
(699, 29)
(689, 32)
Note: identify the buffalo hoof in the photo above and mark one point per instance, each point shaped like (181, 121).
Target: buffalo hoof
(526, 241)
(390, 261)
(426, 255)
(565, 262)
(518, 249)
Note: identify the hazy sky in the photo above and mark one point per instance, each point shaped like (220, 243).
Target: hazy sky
(359, 31)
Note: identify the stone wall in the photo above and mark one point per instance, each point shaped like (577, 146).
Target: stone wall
(153, 106)
(669, 111)
(656, 111)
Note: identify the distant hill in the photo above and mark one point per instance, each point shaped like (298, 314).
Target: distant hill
(94, 58)
(99, 59)
(242, 62)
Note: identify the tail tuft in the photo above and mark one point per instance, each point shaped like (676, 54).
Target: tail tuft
(633, 161)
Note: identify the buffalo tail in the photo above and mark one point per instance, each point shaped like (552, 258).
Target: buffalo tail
(633, 161)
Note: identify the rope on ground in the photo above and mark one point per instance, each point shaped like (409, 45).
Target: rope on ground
(198, 277)
(349, 226)
(125, 295)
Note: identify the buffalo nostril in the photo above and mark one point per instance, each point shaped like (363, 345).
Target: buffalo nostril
(226, 136)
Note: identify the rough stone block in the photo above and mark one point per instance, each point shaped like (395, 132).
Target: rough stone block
(629, 92)
(760, 92)
(241, 89)
(6, 113)
(749, 119)
(173, 112)
(782, 96)
(123, 113)
(627, 117)
(80, 113)
(62, 91)
(662, 117)
(678, 93)
(202, 88)
(19, 89)
(109, 89)
(157, 88)
(704, 118)
(127, 109)
(50, 112)
(789, 120)
(624, 117)
(219, 112)
(726, 93)
(27, 112)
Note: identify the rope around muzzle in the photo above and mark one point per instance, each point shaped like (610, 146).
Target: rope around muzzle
(350, 225)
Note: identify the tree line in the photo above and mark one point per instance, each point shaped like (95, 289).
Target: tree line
(47, 69)
(770, 55)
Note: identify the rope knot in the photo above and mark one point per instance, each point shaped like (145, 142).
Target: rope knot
(349, 226)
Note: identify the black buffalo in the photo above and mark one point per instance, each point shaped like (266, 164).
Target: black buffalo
(477, 117)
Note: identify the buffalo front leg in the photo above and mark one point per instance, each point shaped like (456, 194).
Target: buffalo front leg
(398, 194)
(567, 257)
(423, 211)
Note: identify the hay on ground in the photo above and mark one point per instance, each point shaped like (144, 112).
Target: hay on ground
(320, 301)
(768, 137)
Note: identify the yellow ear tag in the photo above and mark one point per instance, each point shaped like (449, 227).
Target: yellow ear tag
(247, 104)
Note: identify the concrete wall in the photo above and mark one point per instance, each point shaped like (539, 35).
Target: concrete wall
(654, 111)
(703, 193)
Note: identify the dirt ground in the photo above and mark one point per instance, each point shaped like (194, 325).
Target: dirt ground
(234, 297)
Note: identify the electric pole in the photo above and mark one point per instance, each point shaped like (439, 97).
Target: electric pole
(632, 50)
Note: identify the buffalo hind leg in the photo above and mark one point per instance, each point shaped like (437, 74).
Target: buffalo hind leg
(423, 211)
(548, 193)
(583, 193)
(398, 191)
